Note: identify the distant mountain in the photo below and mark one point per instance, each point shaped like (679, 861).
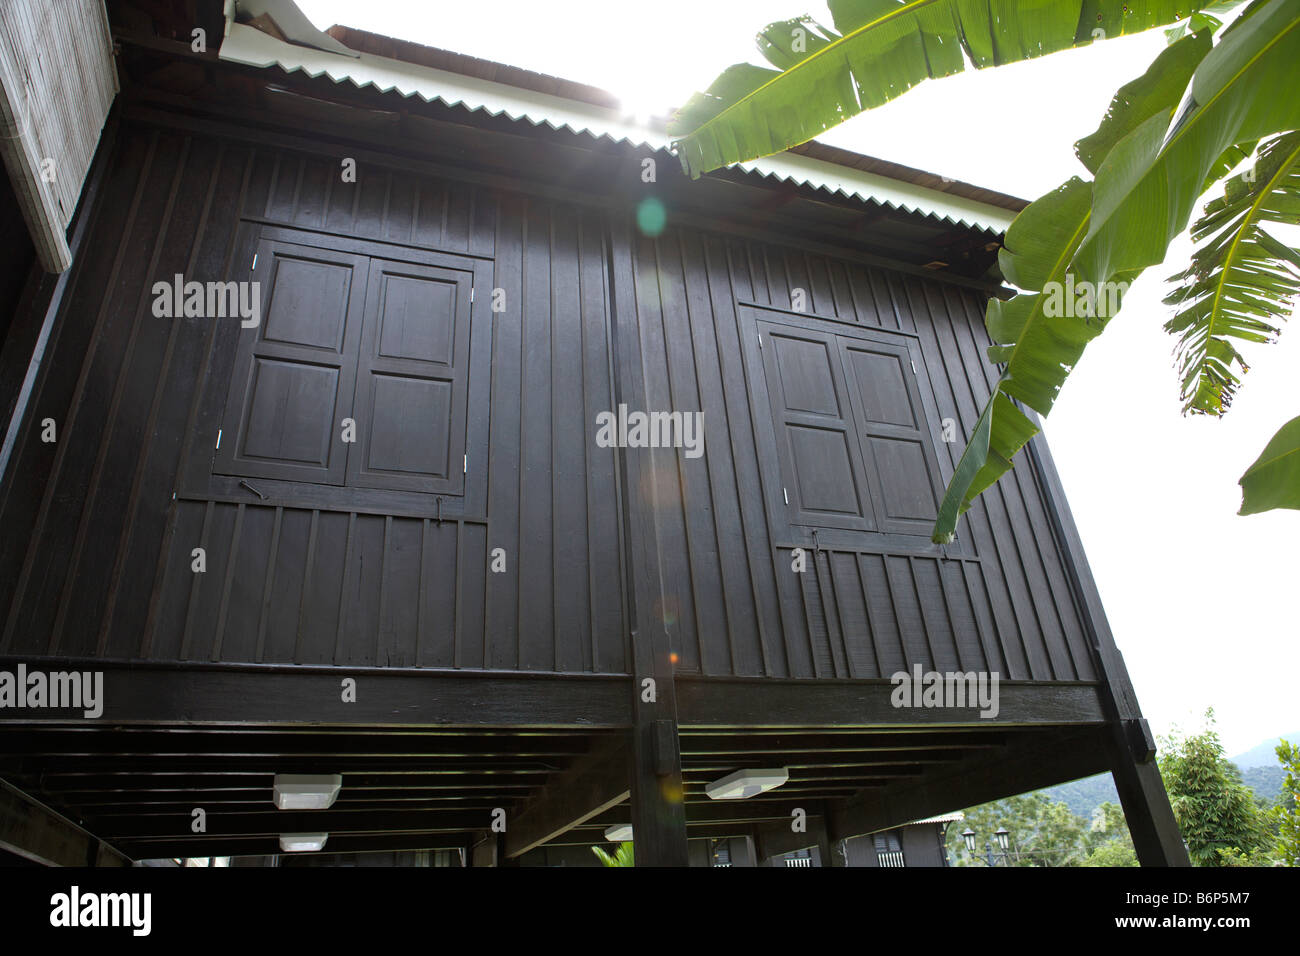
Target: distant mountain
(1259, 768)
(1263, 755)
(1265, 781)
(1083, 796)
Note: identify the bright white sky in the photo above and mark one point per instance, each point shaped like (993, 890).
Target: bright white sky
(1202, 602)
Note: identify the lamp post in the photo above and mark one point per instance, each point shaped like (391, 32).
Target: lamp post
(1002, 835)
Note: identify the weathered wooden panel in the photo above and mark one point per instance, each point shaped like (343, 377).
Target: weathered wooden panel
(98, 557)
(874, 596)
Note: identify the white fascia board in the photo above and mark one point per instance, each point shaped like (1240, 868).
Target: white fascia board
(892, 192)
(252, 47)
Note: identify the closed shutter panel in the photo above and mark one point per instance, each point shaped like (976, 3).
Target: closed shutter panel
(412, 377)
(892, 428)
(889, 849)
(294, 374)
(816, 440)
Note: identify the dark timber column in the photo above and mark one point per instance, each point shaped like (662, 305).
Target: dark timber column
(1150, 818)
(654, 757)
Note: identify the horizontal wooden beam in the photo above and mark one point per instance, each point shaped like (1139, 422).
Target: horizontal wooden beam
(1065, 757)
(718, 704)
(34, 831)
(701, 745)
(270, 845)
(103, 742)
(268, 695)
(273, 822)
(64, 765)
(591, 786)
(71, 785)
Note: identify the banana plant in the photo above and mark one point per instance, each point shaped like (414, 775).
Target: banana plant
(876, 51)
(1171, 134)
(1241, 280)
(623, 856)
(1037, 344)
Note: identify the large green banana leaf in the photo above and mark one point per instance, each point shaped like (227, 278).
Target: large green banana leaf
(1273, 481)
(1040, 350)
(1149, 182)
(1242, 282)
(878, 50)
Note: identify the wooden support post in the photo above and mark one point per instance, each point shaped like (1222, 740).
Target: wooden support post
(829, 849)
(483, 850)
(654, 764)
(1150, 818)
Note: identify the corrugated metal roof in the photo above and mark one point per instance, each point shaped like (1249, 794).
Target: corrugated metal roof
(956, 817)
(250, 46)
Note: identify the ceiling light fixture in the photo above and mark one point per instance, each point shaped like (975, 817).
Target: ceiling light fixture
(746, 783)
(302, 842)
(296, 791)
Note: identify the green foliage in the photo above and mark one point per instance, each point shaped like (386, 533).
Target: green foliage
(1286, 812)
(1036, 344)
(875, 51)
(1241, 281)
(623, 856)
(1044, 832)
(1112, 853)
(1150, 167)
(1273, 481)
(1214, 809)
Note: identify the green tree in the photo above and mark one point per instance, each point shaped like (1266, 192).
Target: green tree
(1043, 832)
(1170, 135)
(1215, 810)
(623, 856)
(1107, 841)
(1286, 811)
(1112, 853)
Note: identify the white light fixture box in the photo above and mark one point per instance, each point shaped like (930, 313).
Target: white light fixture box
(295, 791)
(618, 833)
(746, 783)
(302, 842)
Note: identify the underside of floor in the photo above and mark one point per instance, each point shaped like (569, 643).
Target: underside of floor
(496, 794)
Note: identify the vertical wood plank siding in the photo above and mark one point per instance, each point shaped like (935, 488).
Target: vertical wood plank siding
(95, 554)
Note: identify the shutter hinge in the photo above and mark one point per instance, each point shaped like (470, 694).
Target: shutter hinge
(760, 340)
(254, 260)
(786, 495)
(471, 294)
(465, 469)
(218, 437)
(913, 368)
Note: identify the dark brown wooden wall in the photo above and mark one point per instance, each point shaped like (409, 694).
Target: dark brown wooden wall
(998, 602)
(95, 558)
(95, 553)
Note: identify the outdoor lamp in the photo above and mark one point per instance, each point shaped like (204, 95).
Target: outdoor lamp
(969, 836)
(294, 791)
(302, 842)
(746, 783)
(1003, 837)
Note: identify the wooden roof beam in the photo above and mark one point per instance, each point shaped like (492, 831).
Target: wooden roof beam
(593, 784)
